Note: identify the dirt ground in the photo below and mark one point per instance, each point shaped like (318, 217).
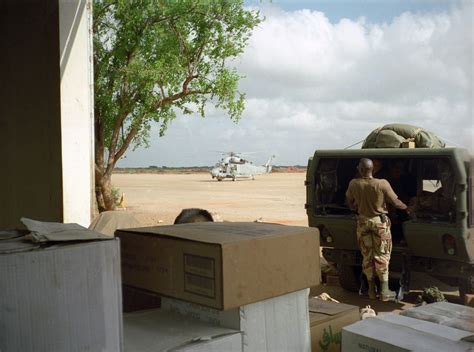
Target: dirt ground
(156, 199)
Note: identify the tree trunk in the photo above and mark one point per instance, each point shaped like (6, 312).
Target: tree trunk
(103, 175)
(103, 192)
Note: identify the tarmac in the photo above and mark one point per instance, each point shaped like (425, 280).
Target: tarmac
(158, 198)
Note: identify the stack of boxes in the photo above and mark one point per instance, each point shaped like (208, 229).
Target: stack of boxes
(245, 282)
(237, 287)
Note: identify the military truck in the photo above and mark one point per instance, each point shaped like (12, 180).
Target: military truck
(436, 238)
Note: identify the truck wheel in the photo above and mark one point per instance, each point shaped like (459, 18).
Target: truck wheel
(466, 286)
(349, 277)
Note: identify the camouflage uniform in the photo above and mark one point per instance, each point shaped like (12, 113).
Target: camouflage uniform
(375, 243)
(368, 196)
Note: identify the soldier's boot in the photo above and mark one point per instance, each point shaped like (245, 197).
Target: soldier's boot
(372, 293)
(386, 294)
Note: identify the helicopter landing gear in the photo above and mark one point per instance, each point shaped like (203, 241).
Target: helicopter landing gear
(219, 179)
(233, 179)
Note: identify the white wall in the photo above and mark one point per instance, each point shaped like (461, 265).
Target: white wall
(75, 21)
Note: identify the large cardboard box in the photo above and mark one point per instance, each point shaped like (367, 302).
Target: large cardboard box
(221, 265)
(396, 333)
(60, 297)
(276, 324)
(326, 322)
(162, 331)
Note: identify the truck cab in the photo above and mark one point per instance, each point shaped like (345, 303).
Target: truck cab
(436, 238)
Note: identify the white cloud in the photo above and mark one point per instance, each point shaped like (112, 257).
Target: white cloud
(314, 84)
(405, 60)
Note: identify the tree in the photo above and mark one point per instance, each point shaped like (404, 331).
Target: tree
(154, 58)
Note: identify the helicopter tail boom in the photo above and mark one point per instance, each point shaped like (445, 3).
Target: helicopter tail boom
(268, 165)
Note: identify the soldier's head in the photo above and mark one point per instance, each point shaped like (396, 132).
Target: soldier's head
(365, 167)
(190, 215)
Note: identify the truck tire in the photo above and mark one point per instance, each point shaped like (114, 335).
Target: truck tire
(466, 286)
(349, 277)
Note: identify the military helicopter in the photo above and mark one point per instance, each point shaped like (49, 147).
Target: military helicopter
(234, 166)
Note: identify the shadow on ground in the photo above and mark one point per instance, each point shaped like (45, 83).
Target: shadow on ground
(419, 281)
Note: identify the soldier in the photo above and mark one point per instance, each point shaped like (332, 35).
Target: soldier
(190, 215)
(368, 197)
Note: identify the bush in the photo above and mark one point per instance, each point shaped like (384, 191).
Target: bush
(117, 195)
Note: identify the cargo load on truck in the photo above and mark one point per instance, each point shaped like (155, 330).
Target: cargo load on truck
(398, 135)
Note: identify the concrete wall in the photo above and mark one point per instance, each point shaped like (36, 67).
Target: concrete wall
(76, 109)
(43, 123)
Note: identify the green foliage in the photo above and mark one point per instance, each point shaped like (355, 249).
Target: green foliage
(430, 295)
(116, 195)
(155, 58)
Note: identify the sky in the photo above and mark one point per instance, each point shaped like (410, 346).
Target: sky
(324, 74)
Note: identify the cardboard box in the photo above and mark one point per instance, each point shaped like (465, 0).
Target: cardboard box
(394, 333)
(276, 324)
(221, 265)
(64, 297)
(158, 330)
(326, 322)
(408, 144)
(444, 313)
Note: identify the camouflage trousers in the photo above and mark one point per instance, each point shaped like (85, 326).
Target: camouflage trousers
(375, 243)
